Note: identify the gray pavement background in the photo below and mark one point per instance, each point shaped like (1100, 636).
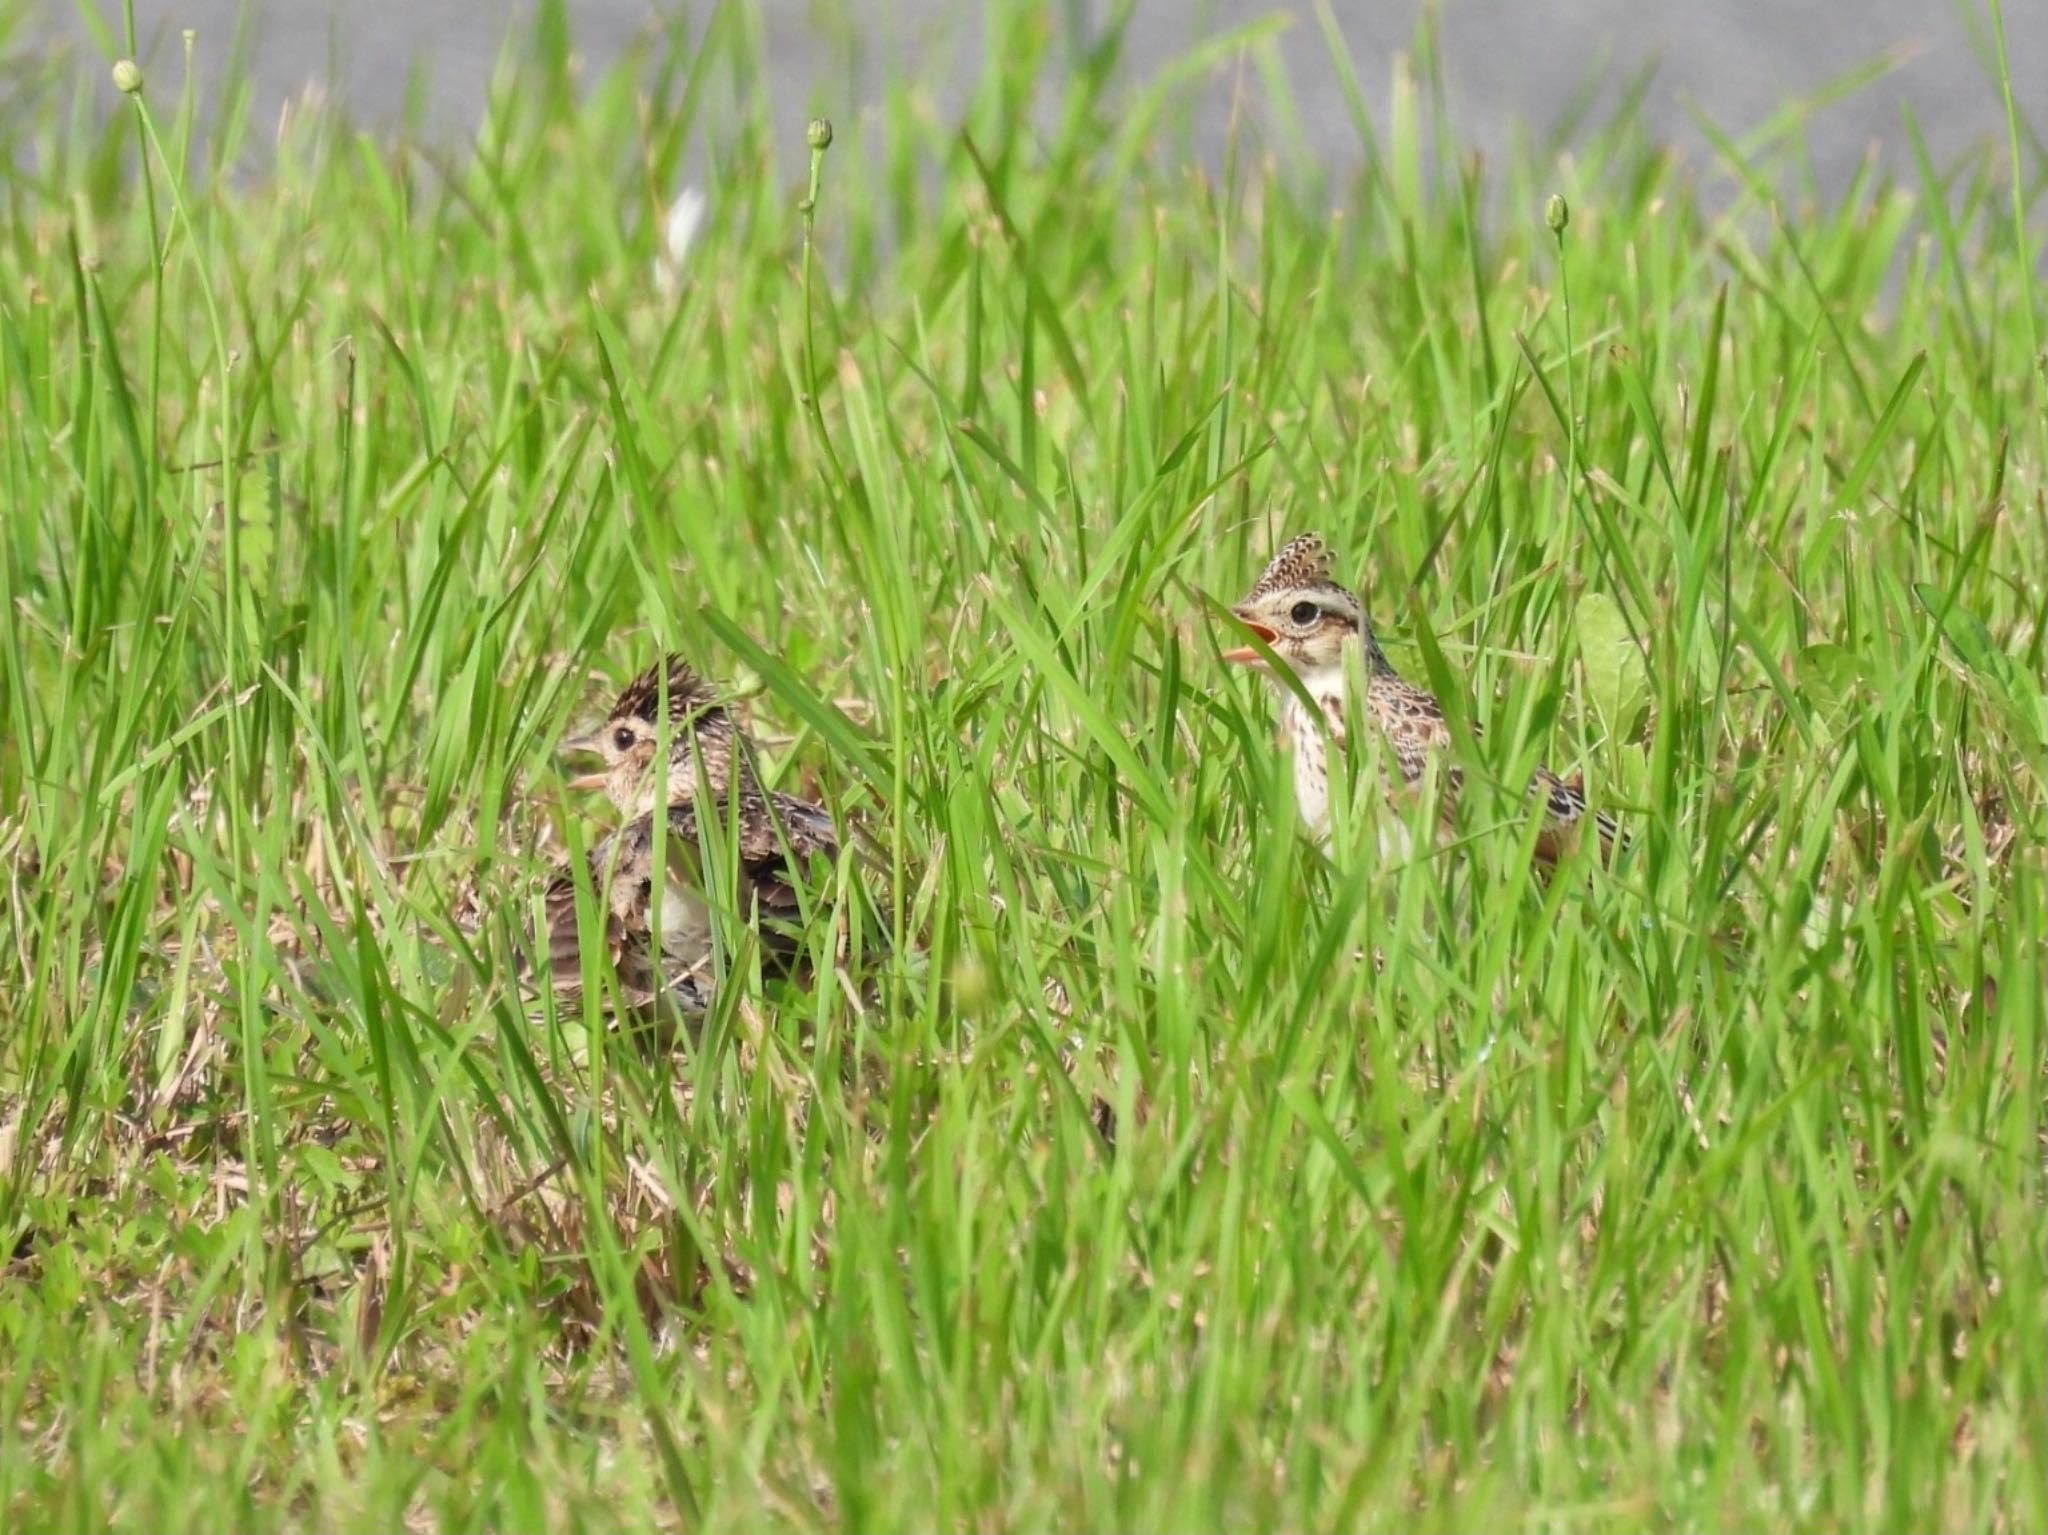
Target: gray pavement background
(1507, 62)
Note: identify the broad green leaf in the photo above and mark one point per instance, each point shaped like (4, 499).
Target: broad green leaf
(1616, 678)
(1829, 677)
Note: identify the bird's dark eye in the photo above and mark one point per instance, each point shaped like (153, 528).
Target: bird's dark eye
(622, 738)
(1305, 613)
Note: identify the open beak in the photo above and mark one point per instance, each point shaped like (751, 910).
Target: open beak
(582, 745)
(1244, 655)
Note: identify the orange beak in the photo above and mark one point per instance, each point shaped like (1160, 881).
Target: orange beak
(1244, 655)
(583, 744)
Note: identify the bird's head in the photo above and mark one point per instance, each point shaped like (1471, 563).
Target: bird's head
(701, 739)
(1301, 613)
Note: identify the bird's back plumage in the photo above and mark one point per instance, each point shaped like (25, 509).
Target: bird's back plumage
(776, 837)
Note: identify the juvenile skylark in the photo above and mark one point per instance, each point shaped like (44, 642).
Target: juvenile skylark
(665, 947)
(1315, 626)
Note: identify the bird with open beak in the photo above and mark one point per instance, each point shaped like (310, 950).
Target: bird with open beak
(1318, 630)
(707, 768)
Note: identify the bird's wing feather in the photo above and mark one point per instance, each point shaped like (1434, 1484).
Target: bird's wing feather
(621, 873)
(1412, 722)
(779, 835)
(628, 951)
(1564, 807)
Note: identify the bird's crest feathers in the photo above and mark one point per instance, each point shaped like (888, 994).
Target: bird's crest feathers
(1303, 561)
(689, 695)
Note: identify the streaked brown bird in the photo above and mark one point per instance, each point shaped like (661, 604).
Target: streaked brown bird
(1315, 626)
(705, 770)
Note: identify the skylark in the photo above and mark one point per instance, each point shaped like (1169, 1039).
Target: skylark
(1319, 630)
(664, 947)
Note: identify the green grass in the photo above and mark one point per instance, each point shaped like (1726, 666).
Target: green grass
(1706, 1192)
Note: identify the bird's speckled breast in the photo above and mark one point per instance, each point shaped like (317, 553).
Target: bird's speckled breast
(1310, 739)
